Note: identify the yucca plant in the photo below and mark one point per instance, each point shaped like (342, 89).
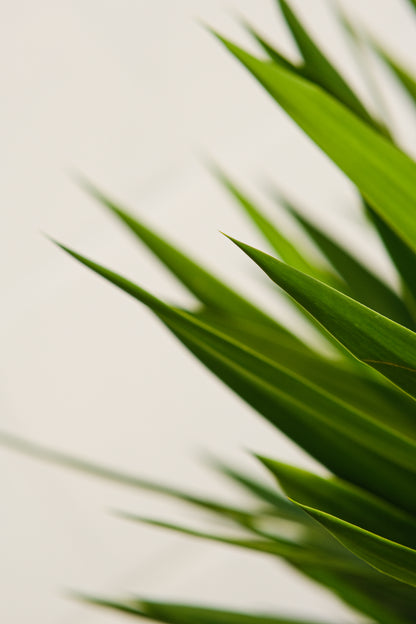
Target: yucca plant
(351, 407)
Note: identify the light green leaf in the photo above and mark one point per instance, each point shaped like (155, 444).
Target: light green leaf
(319, 69)
(385, 176)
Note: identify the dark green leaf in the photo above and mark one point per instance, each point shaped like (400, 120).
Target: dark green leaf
(386, 556)
(308, 415)
(372, 338)
(364, 285)
(349, 503)
(403, 256)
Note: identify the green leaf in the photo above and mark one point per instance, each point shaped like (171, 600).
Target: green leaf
(284, 507)
(384, 175)
(364, 285)
(245, 517)
(403, 257)
(225, 312)
(324, 427)
(413, 3)
(205, 286)
(374, 339)
(284, 248)
(319, 69)
(341, 499)
(386, 556)
(334, 376)
(293, 552)
(373, 396)
(272, 52)
(174, 613)
(403, 75)
(381, 598)
(359, 45)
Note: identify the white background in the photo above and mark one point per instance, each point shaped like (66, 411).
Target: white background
(130, 93)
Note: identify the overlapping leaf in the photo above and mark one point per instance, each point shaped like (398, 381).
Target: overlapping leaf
(403, 75)
(371, 337)
(383, 174)
(278, 242)
(325, 75)
(223, 312)
(310, 416)
(364, 285)
(389, 557)
(341, 499)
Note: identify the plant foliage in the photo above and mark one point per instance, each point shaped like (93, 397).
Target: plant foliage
(353, 411)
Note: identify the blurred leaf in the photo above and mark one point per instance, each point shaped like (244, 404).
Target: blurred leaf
(173, 613)
(292, 551)
(245, 517)
(284, 507)
(412, 3)
(271, 51)
(380, 598)
(403, 75)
